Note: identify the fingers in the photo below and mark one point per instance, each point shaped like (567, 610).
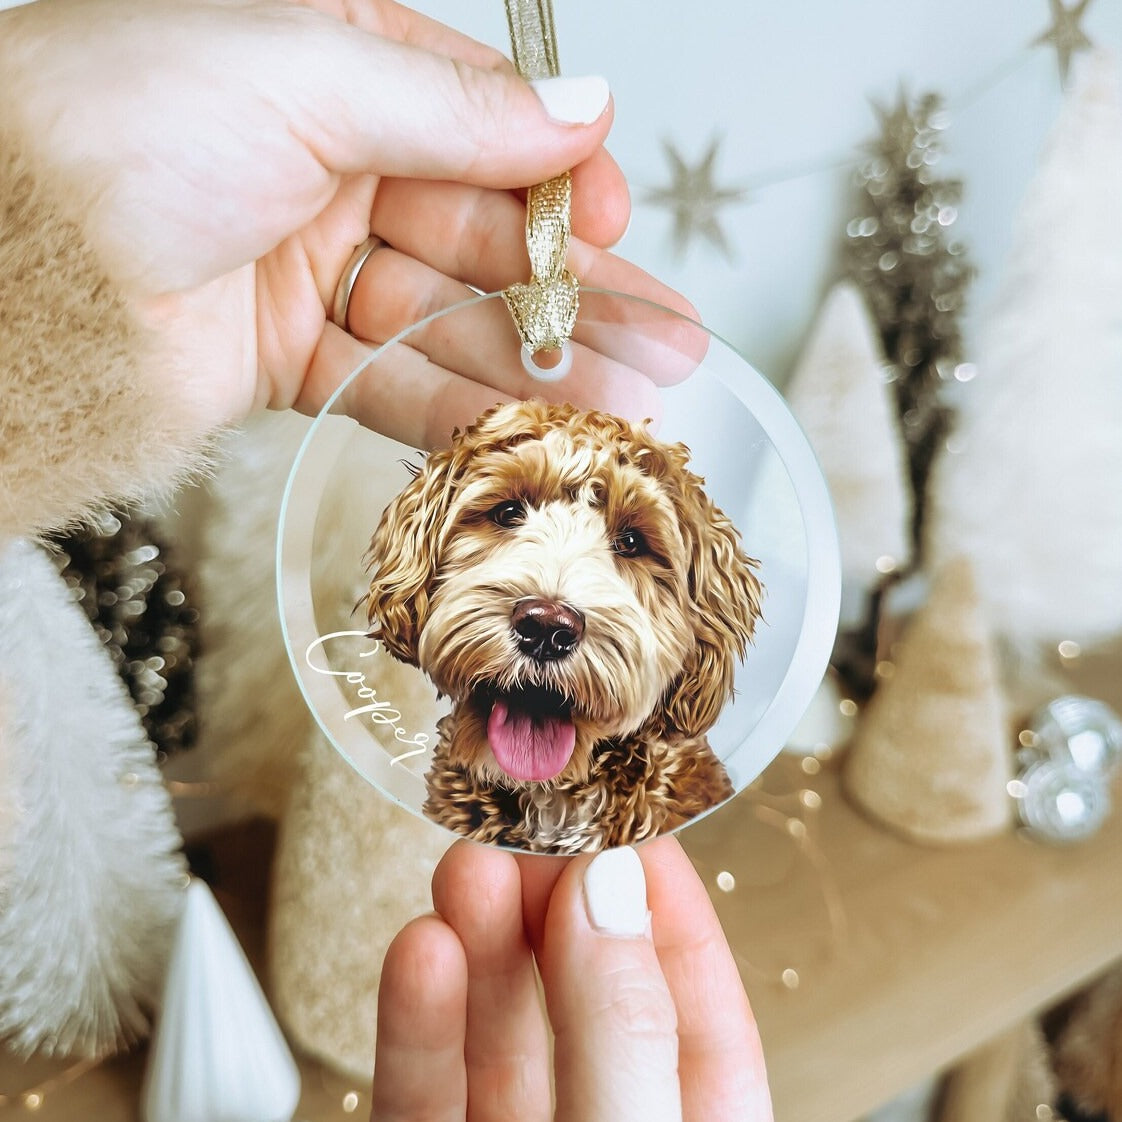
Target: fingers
(721, 1065)
(649, 1014)
(399, 22)
(400, 393)
(408, 396)
(479, 237)
(613, 1016)
(480, 343)
(442, 374)
(600, 199)
(368, 103)
(539, 878)
(422, 1004)
(477, 891)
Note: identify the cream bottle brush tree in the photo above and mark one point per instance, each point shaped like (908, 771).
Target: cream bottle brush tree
(1031, 491)
(841, 395)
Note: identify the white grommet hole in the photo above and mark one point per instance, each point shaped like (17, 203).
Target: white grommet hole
(548, 365)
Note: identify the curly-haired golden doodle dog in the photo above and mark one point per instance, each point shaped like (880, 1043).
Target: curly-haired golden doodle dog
(564, 579)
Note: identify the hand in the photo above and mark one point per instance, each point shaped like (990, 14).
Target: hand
(650, 1021)
(235, 152)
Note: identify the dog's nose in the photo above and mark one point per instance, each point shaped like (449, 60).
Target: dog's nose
(546, 630)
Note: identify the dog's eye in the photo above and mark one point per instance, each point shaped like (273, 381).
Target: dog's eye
(630, 543)
(510, 513)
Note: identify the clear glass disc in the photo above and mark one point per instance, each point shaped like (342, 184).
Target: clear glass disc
(758, 468)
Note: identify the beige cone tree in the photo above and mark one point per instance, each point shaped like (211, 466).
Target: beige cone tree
(351, 869)
(931, 758)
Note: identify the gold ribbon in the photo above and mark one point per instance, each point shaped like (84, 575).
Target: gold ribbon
(545, 309)
(533, 38)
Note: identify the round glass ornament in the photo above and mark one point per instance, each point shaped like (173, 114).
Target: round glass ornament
(758, 468)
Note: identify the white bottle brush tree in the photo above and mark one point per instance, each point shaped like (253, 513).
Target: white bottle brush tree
(1033, 490)
(91, 878)
(841, 395)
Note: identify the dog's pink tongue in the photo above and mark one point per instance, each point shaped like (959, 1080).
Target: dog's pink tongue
(529, 748)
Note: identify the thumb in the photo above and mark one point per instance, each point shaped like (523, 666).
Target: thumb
(378, 105)
(613, 1016)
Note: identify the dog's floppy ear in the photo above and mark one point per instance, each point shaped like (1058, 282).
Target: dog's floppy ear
(726, 599)
(403, 556)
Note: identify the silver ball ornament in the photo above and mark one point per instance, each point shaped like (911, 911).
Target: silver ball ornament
(1080, 730)
(1057, 802)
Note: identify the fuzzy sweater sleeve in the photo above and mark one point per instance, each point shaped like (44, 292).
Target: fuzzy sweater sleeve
(88, 416)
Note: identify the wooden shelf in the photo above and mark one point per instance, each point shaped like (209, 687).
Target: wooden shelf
(940, 949)
(931, 952)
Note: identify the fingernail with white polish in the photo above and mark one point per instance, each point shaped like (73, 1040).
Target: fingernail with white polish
(573, 101)
(615, 894)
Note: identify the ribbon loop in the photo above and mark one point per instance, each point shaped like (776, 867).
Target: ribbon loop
(545, 309)
(548, 209)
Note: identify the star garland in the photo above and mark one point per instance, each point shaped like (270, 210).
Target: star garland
(1065, 35)
(695, 200)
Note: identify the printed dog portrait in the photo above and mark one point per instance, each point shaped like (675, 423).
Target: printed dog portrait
(564, 580)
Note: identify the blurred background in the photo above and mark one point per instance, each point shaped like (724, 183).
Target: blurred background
(752, 117)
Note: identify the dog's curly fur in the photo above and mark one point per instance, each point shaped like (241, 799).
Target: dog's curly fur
(539, 502)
